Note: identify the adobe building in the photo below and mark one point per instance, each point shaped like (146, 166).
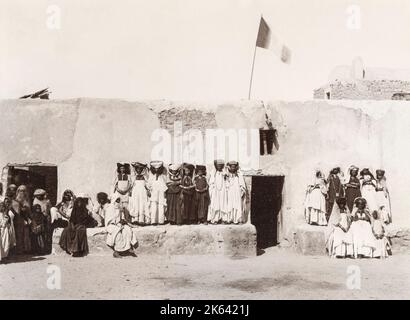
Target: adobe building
(357, 82)
(75, 144)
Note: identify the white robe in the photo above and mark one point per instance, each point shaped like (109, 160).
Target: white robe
(218, 194)
(138, 203)
(364, 241)
(315, 204)
(7, 235)
(120, 237)
(157, 200)
(236, 191)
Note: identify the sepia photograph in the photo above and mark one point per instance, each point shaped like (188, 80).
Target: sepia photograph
(204, 151)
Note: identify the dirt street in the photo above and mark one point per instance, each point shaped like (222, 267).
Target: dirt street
(276, 274)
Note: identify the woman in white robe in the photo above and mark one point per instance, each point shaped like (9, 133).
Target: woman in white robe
(383, 197)
(363, 239)
(157, 186)
(138, 202)
(218, 193)
(340, 238)
(120, 236)
(236, 192)
(368, 189)
(315, 201)
(7, 237)
(122, 183)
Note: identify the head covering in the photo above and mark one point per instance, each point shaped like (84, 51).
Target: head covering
(156, 167)
(139, 165)
(102, 196)
(189, 166)
(360, 200)
(83, 195)
(200, 169)
(353, 168)
(39, 192)
(219, 162)
(366, 171)
(126, 167)
(156, 164)
(335, 170)
(380, 172)
(174, 168)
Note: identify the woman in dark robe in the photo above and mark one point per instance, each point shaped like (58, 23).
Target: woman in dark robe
(188, 188)
(21, 209)
(352, 187)
(38, 226)
(74, 237)
(173, 195)
(201, 197)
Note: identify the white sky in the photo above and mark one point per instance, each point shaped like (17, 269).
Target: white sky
(191, 49)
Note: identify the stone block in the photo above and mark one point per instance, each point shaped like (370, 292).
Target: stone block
(226, 240)
(310, 240)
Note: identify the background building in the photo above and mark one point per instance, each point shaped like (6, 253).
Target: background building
(357, 82)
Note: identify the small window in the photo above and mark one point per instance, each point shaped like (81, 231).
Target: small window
(267, 139)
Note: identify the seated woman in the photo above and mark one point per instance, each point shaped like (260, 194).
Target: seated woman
(120, 236)
(340, 241)
(74, 237)
(60, 214)
(362, 233)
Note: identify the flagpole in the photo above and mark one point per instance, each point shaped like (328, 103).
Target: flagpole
(253, 65)
(253, 62)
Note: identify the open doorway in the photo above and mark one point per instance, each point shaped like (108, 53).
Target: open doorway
(266, 203)
(34, 176)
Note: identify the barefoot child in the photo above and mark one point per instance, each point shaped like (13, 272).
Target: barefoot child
(379, 231)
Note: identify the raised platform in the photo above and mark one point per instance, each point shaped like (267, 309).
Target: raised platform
(310, 240)
(226, 240)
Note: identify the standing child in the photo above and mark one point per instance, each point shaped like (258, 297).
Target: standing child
(38, 228)
(379, 231)
(201, 197)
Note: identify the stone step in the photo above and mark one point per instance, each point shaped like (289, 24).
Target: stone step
(225, 240)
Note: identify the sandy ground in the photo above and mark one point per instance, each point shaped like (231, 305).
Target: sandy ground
(276, 274)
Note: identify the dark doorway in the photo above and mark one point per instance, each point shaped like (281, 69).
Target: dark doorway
(35, 177)
(266, 202)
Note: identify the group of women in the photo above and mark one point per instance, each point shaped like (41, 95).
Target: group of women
(141, 195)
(356, 211)
(181, 194)
(25, 226)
